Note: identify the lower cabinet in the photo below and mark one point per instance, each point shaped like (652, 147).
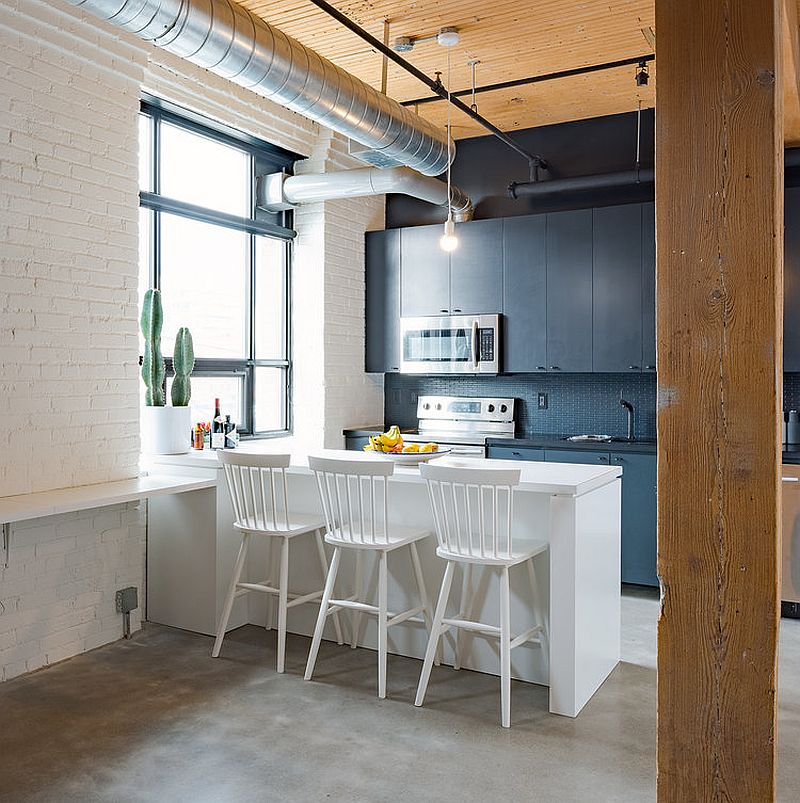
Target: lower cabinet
(356, 442)
(638, 501)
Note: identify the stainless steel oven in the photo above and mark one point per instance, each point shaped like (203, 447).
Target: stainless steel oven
(450, 344)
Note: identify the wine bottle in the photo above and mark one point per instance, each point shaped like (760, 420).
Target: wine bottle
(217, 428)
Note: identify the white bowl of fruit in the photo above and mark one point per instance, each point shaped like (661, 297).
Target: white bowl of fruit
(390, 444)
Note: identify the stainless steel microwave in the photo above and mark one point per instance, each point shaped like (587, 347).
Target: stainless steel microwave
(450, 344)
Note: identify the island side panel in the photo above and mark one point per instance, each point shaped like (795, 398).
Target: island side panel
(585, 615)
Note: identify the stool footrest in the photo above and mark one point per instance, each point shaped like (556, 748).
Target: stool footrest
(527, 635)
(405, 616)
(363, 607)
(299, 600)
(478, 627)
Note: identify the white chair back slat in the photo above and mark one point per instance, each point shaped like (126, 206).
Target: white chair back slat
(473, 509)
(356, 493)
(258, 489)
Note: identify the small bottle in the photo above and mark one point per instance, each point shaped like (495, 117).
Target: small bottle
(230, 430)
(199, 438)
(217, 428)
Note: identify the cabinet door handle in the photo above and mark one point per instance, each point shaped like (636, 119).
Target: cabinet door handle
(650, 367)
(619, 459)
(444, 310)
(516, 454)
(602, 458)
(456, 310)
(633, 367)
(541, 368)
(554, 368)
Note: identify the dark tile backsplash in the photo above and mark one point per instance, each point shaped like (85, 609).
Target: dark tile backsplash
(791, 392)
(576, 403)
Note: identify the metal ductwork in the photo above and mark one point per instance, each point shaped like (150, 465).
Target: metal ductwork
(278, 191)
(603, 181)
(231, 42)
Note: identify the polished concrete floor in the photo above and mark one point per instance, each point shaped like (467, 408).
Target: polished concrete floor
(156, 719)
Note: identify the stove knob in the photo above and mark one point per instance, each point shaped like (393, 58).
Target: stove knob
(503, 408)
(438, 406)
(426, 406)
(490, 408)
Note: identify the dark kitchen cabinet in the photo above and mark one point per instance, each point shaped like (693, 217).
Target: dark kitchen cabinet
(617, 289)
(648, 287)
(569, 291)
(382, 314)
(639, 549)
(525, 294)
(356, 443)
(515, 453)
(576, 456)
(791, 281)
(476, 268)
(425, 272)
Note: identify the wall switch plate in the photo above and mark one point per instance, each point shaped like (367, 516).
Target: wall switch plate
(127, 599)
(542, 401)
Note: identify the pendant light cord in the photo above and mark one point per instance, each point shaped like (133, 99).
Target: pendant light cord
(449, 141)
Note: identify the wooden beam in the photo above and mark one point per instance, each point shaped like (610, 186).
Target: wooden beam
(791, 73)
(719, 213)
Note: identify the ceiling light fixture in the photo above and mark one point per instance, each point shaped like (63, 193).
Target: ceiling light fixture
(641, 74)
(447, 37)
(449, 241)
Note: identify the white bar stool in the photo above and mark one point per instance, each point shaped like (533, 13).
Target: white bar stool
(355, 499)
(260, 498)
(473, 511)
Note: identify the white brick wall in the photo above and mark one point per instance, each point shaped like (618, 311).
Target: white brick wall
(68, 293)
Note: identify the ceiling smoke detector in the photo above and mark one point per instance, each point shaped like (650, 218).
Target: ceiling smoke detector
(447, 37)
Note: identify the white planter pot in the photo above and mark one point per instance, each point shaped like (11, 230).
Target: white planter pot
(166, 430)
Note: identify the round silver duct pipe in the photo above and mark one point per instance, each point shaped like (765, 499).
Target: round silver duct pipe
(231, 42)
(279, 191)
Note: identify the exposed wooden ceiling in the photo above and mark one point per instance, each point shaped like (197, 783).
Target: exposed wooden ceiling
(512, 39)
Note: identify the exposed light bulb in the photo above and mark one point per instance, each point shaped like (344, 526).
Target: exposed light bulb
(449, 241)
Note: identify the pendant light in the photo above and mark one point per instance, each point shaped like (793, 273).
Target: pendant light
(449, 241)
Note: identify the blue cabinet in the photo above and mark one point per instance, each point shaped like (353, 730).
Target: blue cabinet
(638, 527)
(515, 453)
(639, 514)
(356, 442)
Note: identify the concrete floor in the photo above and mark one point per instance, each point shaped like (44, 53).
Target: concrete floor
(156, 719)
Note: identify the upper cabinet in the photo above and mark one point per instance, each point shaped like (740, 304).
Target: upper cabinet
(791, 281)
(569, 291)
(648, 287)
(382, 279)
(468, 280)
(617, 288)
(425, 272)
(476, 268)
(525, 294)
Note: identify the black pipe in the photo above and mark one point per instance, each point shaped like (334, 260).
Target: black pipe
(537, 79)
(533, 159)
(604, 181)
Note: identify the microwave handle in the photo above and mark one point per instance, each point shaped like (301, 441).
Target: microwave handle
(475, 354)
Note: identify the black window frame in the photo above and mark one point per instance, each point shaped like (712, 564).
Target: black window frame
(264, 158)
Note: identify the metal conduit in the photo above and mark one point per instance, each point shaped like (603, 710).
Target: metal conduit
(228, 40)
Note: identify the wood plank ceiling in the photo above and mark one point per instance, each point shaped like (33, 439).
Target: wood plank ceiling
(512, 39)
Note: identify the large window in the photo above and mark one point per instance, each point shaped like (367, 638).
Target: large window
(222, 265)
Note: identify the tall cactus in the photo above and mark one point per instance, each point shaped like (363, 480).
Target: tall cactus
(153, 363)
(183, 362)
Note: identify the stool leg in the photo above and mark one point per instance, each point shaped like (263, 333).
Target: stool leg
(505, 648)
(538, 609)
(464, 609)
(323, 562)
(357, 592)
(427, 613)
(270, 582)
(383, 615)
(226, 608)
(323, 610)
(441, 605)
(283, 599)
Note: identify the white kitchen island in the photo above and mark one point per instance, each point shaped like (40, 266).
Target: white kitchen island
(576, 508)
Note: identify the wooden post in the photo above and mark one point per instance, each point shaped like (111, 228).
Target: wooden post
(719, 223)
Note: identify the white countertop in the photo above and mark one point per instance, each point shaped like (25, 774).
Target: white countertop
(569, 479)
(84, 497)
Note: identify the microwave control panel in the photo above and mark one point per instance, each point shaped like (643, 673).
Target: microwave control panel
(486, 345)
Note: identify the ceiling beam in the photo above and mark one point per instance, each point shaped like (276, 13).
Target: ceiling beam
(719, 268)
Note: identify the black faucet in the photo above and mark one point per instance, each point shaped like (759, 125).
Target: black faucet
(631, 417)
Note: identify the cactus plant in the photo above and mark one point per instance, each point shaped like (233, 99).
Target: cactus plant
(183, 362)
(153, 369)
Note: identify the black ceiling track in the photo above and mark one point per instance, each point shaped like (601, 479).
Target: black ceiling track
(538, 79)
(534, 160)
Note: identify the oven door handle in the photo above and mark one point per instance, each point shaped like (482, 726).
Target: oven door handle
(475, 354)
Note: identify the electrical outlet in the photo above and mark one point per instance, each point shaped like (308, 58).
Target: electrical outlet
(542, 401)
